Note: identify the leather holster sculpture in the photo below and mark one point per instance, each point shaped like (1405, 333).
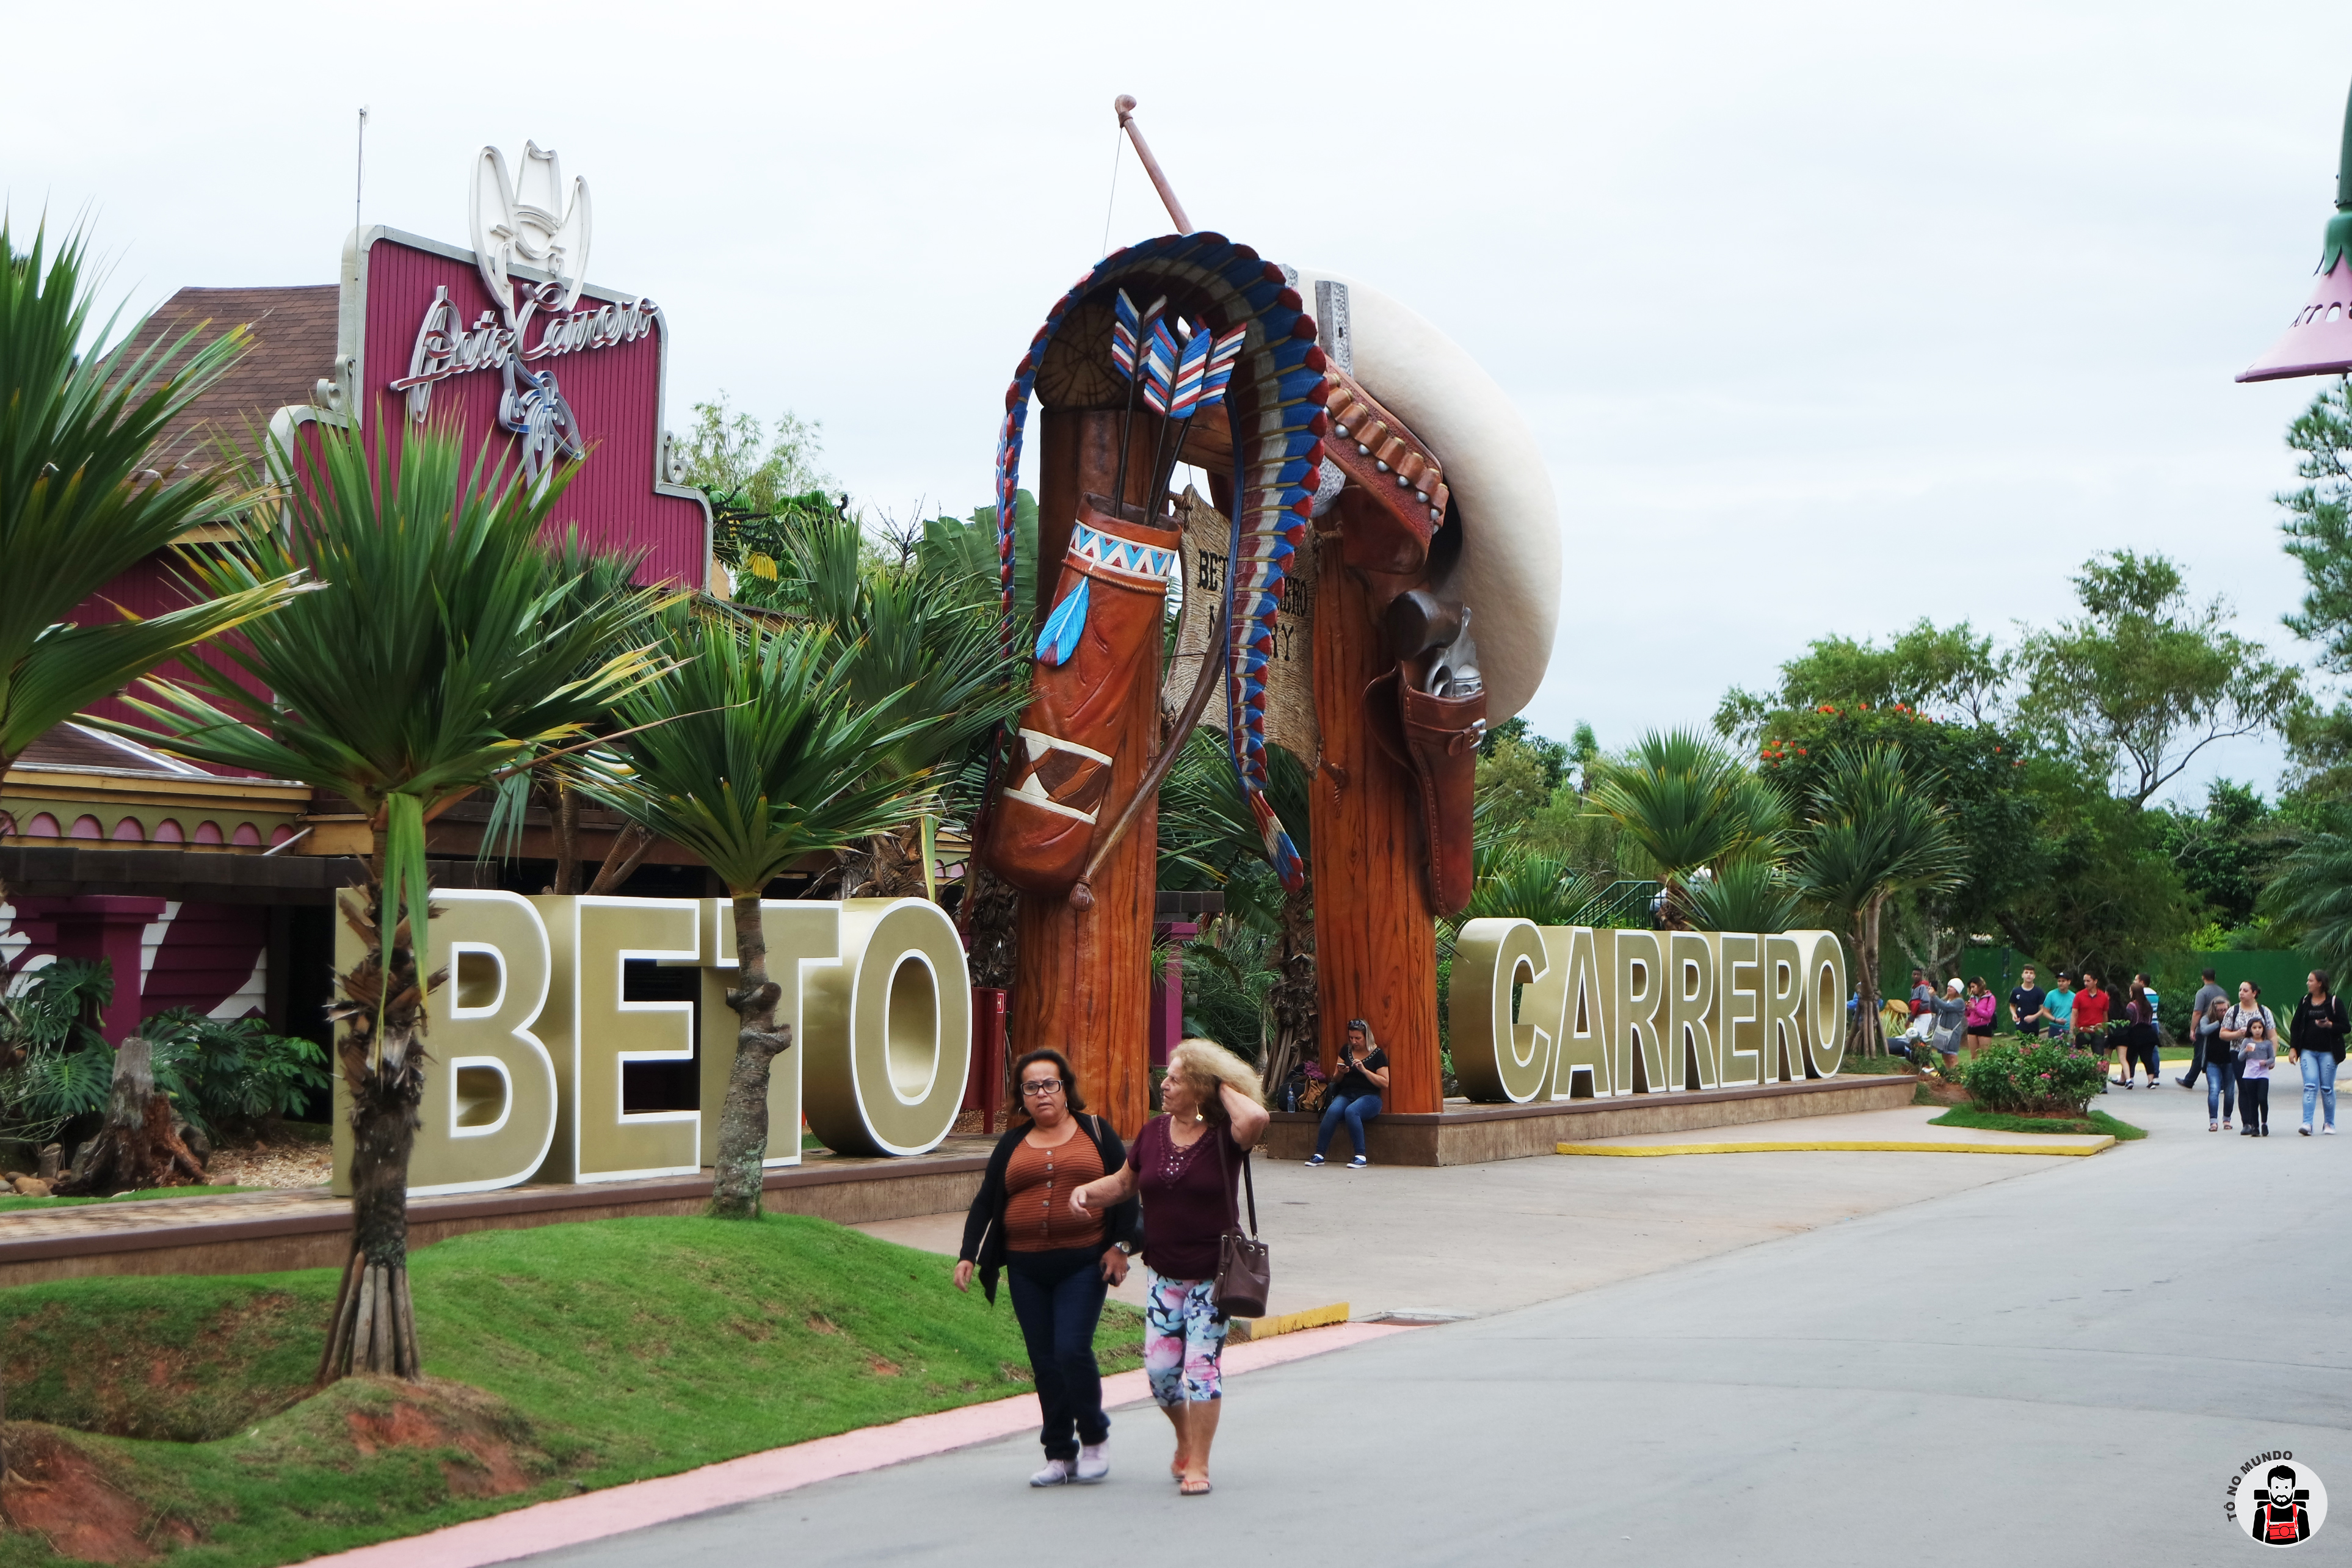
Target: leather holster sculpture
(1429, 712)
(1107, 618)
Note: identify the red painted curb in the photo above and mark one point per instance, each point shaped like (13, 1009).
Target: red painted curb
(569, 1522)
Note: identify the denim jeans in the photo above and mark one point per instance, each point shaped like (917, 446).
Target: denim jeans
(2319, 1084)
(2220, 1086)
(1058, 1296)
(1356, 1110)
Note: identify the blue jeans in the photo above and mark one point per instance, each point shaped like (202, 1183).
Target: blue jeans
(2319, 1084)
(1356, 1110)
(2221, 1083)
(1058, 1296)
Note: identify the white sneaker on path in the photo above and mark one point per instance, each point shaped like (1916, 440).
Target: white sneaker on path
(1055, 1473)
(1094, 1462)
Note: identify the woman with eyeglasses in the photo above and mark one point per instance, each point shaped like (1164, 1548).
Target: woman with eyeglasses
(1062, 1262)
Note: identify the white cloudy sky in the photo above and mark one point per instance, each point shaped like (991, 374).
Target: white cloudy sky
(1826, 314)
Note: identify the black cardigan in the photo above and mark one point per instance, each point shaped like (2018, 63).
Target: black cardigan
(2305, 1035)
(984, 1226)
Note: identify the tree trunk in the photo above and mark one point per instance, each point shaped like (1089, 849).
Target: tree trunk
(136, 1147)
(1865, 942)
(991, 919)
(629, 847)
(1295, 1000)
(374, 1328)
(743, 1115)
(565, 821)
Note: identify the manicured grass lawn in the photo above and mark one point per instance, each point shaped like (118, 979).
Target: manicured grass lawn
(1996, 1121)
(11, 1201)
(577, 1356)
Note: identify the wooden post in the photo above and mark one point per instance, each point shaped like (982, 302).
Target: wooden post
(1083, 981)
(1375, 932)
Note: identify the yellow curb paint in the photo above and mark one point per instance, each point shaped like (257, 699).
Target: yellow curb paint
(1245, 1329)
(1640, 1150)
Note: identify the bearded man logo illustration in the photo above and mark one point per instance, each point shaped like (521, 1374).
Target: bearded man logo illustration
(2281, 1518)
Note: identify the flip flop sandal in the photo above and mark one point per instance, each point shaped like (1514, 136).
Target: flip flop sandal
(1195, 1488)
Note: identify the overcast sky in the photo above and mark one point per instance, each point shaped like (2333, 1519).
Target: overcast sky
(1826, 315)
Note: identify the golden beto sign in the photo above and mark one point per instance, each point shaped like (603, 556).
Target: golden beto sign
(1600, 1013)
(532, 1035)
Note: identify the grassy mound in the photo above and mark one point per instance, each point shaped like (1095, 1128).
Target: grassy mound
(10, 1202)
(1999, 1121)
(560, 1359)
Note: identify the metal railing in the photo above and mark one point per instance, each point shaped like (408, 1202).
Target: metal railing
(1625, 904)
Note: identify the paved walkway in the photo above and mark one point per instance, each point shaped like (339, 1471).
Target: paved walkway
(1908, 1125)
(1471, 1241)
(2062, 1365)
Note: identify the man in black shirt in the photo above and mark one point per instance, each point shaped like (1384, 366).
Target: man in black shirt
(2024, 1003)
(1355, 1096)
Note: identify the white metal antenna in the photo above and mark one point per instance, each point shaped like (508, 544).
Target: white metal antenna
(358, 170)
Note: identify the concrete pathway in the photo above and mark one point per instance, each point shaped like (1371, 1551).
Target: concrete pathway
(2058, 1367)
(1477, 1239)
(1908, 1125)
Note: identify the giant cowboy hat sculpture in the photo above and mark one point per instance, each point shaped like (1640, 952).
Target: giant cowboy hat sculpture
(1443, 508)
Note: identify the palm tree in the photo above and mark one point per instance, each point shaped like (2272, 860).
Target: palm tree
(1689, 804)
(2312, 896)
(749, 751)
(917, 626)
(1207, 835)
(1746, 895)
(78, 505)
(1539, 887)
(1871, 835)
(436, 657)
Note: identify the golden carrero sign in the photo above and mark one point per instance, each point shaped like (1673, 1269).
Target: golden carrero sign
(534, 1036)
(1575, 1013)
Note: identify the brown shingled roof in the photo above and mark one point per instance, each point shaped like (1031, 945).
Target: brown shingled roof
(293, 333)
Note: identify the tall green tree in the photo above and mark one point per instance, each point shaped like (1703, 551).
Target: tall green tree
(1948, 669)
(1687, 803)
(79, 504)
(751, 751)
(1871, 834)
(436, 657)
(2145, 678)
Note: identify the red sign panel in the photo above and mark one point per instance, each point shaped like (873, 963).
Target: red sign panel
(585, 380)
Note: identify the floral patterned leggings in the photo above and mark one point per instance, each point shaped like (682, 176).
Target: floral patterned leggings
(1182, 1337)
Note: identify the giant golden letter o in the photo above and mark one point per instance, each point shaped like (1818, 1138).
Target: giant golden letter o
(889, 1032)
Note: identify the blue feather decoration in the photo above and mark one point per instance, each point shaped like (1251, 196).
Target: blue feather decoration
(1059, 640)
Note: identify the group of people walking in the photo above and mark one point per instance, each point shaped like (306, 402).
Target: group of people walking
(2236, 1041)
(2237, 1045)
(1063, 1207)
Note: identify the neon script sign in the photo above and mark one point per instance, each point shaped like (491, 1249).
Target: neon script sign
(444, 349)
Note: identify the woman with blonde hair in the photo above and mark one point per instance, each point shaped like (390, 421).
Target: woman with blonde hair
(1187, 1165)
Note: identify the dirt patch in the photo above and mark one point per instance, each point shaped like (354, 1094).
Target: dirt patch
(290, 1162)
(881, 1367)
(485, 1451)
(58, 1491)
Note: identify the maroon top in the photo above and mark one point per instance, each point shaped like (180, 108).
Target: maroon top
(1185, 1207)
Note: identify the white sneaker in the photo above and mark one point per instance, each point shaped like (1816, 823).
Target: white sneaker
(1055, 1473)
(2328, 1132)
(1094, 1462)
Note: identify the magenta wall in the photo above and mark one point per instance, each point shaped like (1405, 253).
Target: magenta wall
(616, 393)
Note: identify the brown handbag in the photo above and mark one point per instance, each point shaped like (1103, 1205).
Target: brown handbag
(1244, 1272)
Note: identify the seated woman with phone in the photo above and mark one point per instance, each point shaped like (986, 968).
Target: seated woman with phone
(1355, 1098)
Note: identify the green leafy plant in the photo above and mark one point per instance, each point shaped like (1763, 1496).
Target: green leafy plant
(436, 658)
(78, 504)
(2048, 1076)
(749, 750)
(56, 1064)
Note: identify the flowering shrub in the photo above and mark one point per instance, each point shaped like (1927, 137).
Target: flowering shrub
(2046, 1076)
